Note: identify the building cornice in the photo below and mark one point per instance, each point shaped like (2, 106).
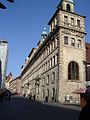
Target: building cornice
(39, 49)
(69, 28)
(59, 9)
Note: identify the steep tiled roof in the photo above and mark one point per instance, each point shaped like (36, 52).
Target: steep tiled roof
(88, 53)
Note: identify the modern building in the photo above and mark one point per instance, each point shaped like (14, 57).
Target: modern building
(58, 65)
(3, 62)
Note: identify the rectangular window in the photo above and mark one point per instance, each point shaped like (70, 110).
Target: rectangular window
(51, 26)
(46, 65)
(78, 23)
(54, 45)
(65, 19)
(79, 43)
(72, 21)
(43, 81)
(48, 50)
(50, 47)
(72, 41)
(65, 40)
(47, 79)
(53, 60)
(56, 41)
(55, 22)
(50, 62)
(53, 76)
(56, 58)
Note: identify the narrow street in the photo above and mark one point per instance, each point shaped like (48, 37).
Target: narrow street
(20, 108)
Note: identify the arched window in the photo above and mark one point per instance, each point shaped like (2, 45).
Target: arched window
(47, 92)
(73, 71)
(43, 94)
(68, 7)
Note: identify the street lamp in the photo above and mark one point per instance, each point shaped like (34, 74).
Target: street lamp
(2, 6)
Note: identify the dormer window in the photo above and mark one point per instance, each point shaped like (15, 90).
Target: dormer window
(68, 7)
(55, 22)
(52, 26)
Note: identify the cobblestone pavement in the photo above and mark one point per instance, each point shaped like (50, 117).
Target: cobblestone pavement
(19, 108)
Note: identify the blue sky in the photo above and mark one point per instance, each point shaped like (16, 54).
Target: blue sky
(22, 23)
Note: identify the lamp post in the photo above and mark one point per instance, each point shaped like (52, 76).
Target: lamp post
(2, 6)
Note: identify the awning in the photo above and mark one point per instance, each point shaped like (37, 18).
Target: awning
(79, 91)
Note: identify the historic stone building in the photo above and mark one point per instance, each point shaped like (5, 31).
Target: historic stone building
(88, 64)
(57, 66)
(8, 80)
(3, 62)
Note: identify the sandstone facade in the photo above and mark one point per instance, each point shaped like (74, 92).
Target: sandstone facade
(57, 66)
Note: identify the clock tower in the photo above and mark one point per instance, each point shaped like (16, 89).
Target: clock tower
(72, 52)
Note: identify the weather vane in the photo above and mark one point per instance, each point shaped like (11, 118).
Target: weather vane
(2, 6)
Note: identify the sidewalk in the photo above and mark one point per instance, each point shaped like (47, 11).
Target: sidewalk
(64, 105)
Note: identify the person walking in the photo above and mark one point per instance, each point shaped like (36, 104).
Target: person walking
(85, 111)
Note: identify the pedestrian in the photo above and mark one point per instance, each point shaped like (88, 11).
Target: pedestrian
(52, 99)
(9, 95)
(34, 97)
(30, 96)
(46, 99)
(2, 97)
(85, 111)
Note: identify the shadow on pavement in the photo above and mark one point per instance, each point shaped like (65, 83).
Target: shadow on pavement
(20, 108)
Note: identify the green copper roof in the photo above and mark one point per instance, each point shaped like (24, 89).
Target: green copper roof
(70, 1)
(44, 34)
(44, 31)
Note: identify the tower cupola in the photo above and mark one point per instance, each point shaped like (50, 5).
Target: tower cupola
(67, 5)
(43, 35)
(71, 1)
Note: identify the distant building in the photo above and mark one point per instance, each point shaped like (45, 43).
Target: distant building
(8, 80)
(3, 62)
(18, 84)
(58, 65)
(88, 64)
(14, 85)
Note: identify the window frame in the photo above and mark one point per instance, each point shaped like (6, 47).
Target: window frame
(72, 43)
(65, 40)
(73, 71)
(68, 7)
(72, 21)
(78, 23)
